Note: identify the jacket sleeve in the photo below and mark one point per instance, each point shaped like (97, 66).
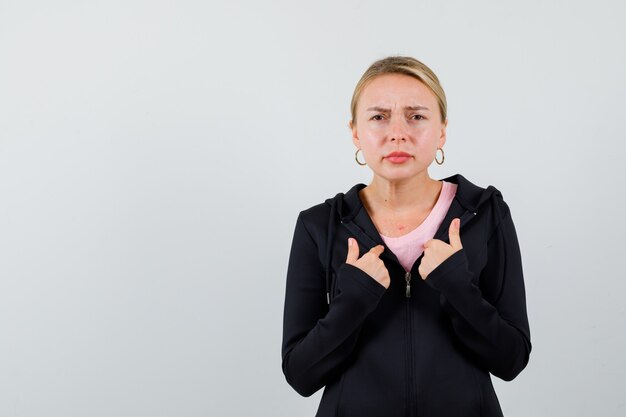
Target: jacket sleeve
(317, 338)
(496, 333)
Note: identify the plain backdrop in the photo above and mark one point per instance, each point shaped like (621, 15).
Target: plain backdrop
(154, 156)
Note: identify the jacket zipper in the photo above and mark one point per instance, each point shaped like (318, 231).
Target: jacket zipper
(407, 278)
(410, 386)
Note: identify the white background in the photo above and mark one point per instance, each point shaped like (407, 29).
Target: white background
(154, 156)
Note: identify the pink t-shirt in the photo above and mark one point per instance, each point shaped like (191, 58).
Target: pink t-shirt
(410, 246)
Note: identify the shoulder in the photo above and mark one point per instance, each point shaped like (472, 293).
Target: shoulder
(316, 218)
(321, 218)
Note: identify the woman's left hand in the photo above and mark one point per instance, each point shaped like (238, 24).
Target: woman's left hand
(436, 251)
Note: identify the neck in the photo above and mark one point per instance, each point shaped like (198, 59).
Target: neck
(404, 195)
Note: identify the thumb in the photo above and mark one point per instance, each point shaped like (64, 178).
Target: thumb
(353, 251)
(453, 232)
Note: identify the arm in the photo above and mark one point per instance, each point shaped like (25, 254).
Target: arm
(496, 333)
(317, 337)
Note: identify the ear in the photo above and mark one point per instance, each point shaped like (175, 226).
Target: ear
(442, 137)
(355, 137)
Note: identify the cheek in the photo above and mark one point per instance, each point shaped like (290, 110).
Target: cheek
(368, 139)
(425, 130)
(427, 136)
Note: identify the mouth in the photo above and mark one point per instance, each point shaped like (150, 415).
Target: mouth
(398, 157)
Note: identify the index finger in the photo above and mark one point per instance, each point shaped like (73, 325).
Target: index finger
(377, 250)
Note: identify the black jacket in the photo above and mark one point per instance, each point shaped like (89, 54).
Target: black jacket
(390, 352)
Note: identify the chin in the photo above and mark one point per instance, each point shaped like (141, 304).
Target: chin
(399, 174)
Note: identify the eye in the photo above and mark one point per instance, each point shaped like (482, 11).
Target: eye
(417, 117)
(377, 117)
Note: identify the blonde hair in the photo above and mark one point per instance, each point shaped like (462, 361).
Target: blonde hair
(401, 65)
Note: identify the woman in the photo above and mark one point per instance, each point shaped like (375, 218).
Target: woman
(404, 295)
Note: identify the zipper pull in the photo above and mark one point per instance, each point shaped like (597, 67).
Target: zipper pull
(407, 277)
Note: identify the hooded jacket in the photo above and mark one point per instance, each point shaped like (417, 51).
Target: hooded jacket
(420, 347)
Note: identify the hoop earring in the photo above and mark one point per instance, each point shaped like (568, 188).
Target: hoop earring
(356, 156)
(443, 157)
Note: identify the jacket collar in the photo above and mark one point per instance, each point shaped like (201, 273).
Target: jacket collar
(468, 198)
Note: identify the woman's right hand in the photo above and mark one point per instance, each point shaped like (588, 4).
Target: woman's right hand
(370, 263)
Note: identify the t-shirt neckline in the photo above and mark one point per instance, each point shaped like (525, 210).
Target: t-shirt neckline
(444, 191)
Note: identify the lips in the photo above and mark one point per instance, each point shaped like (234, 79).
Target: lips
(398, 157)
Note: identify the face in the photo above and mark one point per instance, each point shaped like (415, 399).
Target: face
(398, 126)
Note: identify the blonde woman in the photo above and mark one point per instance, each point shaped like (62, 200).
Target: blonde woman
(404, 295)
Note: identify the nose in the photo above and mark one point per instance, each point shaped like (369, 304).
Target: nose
(397, 130)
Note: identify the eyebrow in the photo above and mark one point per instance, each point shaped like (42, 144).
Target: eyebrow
(383, 110)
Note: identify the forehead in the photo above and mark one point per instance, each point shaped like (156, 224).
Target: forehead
(396, 89)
